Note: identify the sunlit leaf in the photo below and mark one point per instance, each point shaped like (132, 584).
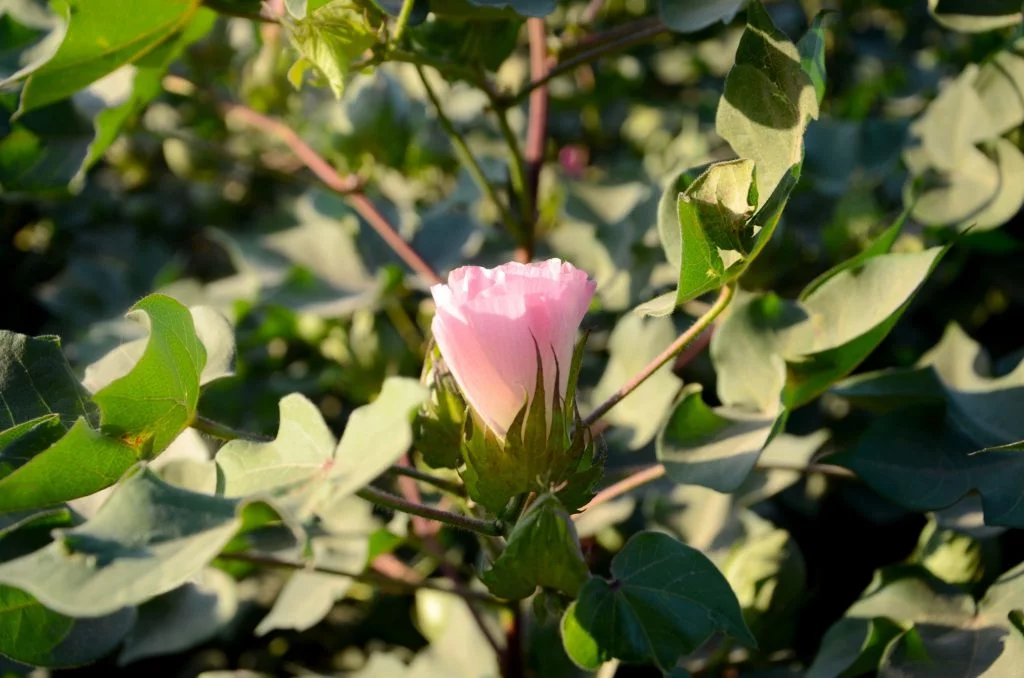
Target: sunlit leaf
(149, 406)
(150, 534)
(975, 16)
(768, 102)
(715, 448)
(102, 35)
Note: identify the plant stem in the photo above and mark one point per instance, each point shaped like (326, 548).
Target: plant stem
(626, 485)
(349, 186)
(684, 340)
(518, 163)
(644, 32)
(458, 489)
(449, 70)
(225, 432)
(381, 498)
(536, 132)
(652, 473)
(379, 580)
(467, 158)
(403, 20)
(830, 470)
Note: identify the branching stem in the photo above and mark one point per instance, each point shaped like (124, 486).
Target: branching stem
(489, 528)
(684, 340)
(467, 158)
(376, 579)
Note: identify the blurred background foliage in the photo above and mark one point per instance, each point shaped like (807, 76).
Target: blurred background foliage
(211, 211)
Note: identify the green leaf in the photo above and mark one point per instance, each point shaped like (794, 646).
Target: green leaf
(882, 244)
(214, 332)
(42, 151)
(951, 556)
(812, 54)
(975, 16)
(852, 647)
(148, 533)
(689, 16)
(543, 550)
(1009, 197)
(768, 102)
(34, 635)
(921, 455)
(768, 574)
(633, 343)
(341, 542)
(331, 38)
(711, 229)
(148, 407)
(146, 85)
(747, 349)
(767, 345)
(665, 600)
(385, 427)
(713, 215)
(944, 627)
(1000, 86)
(302, 468)
(874, 296)
(102, 35)
(301, 451)
(183, 618)
(457, 644)
(715, 448)
(36, 380)
(79, 463)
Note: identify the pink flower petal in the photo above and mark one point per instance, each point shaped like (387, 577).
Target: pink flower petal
(491, 322)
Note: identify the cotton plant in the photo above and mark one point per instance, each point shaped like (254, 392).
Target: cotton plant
(134, 523)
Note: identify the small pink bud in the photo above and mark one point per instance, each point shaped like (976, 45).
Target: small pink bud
(487, 323)
(573, 160)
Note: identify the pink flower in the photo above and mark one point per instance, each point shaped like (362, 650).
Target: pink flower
(487, 321)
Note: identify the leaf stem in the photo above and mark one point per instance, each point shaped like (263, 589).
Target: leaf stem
(518, 163)
(458, 489)
(684, 340)
(449, 70)
(467, 158)
(651, 473)
(491, 528)
(225, 432)
(381, 581)
(403, 19)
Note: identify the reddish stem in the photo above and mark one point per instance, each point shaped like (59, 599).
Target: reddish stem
(349, 186)
(536, 131)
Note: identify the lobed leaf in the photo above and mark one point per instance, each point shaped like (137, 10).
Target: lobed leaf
(665, 599)
(147, 539)
(101, 36)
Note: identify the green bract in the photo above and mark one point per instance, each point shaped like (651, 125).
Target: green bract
(541, 453)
